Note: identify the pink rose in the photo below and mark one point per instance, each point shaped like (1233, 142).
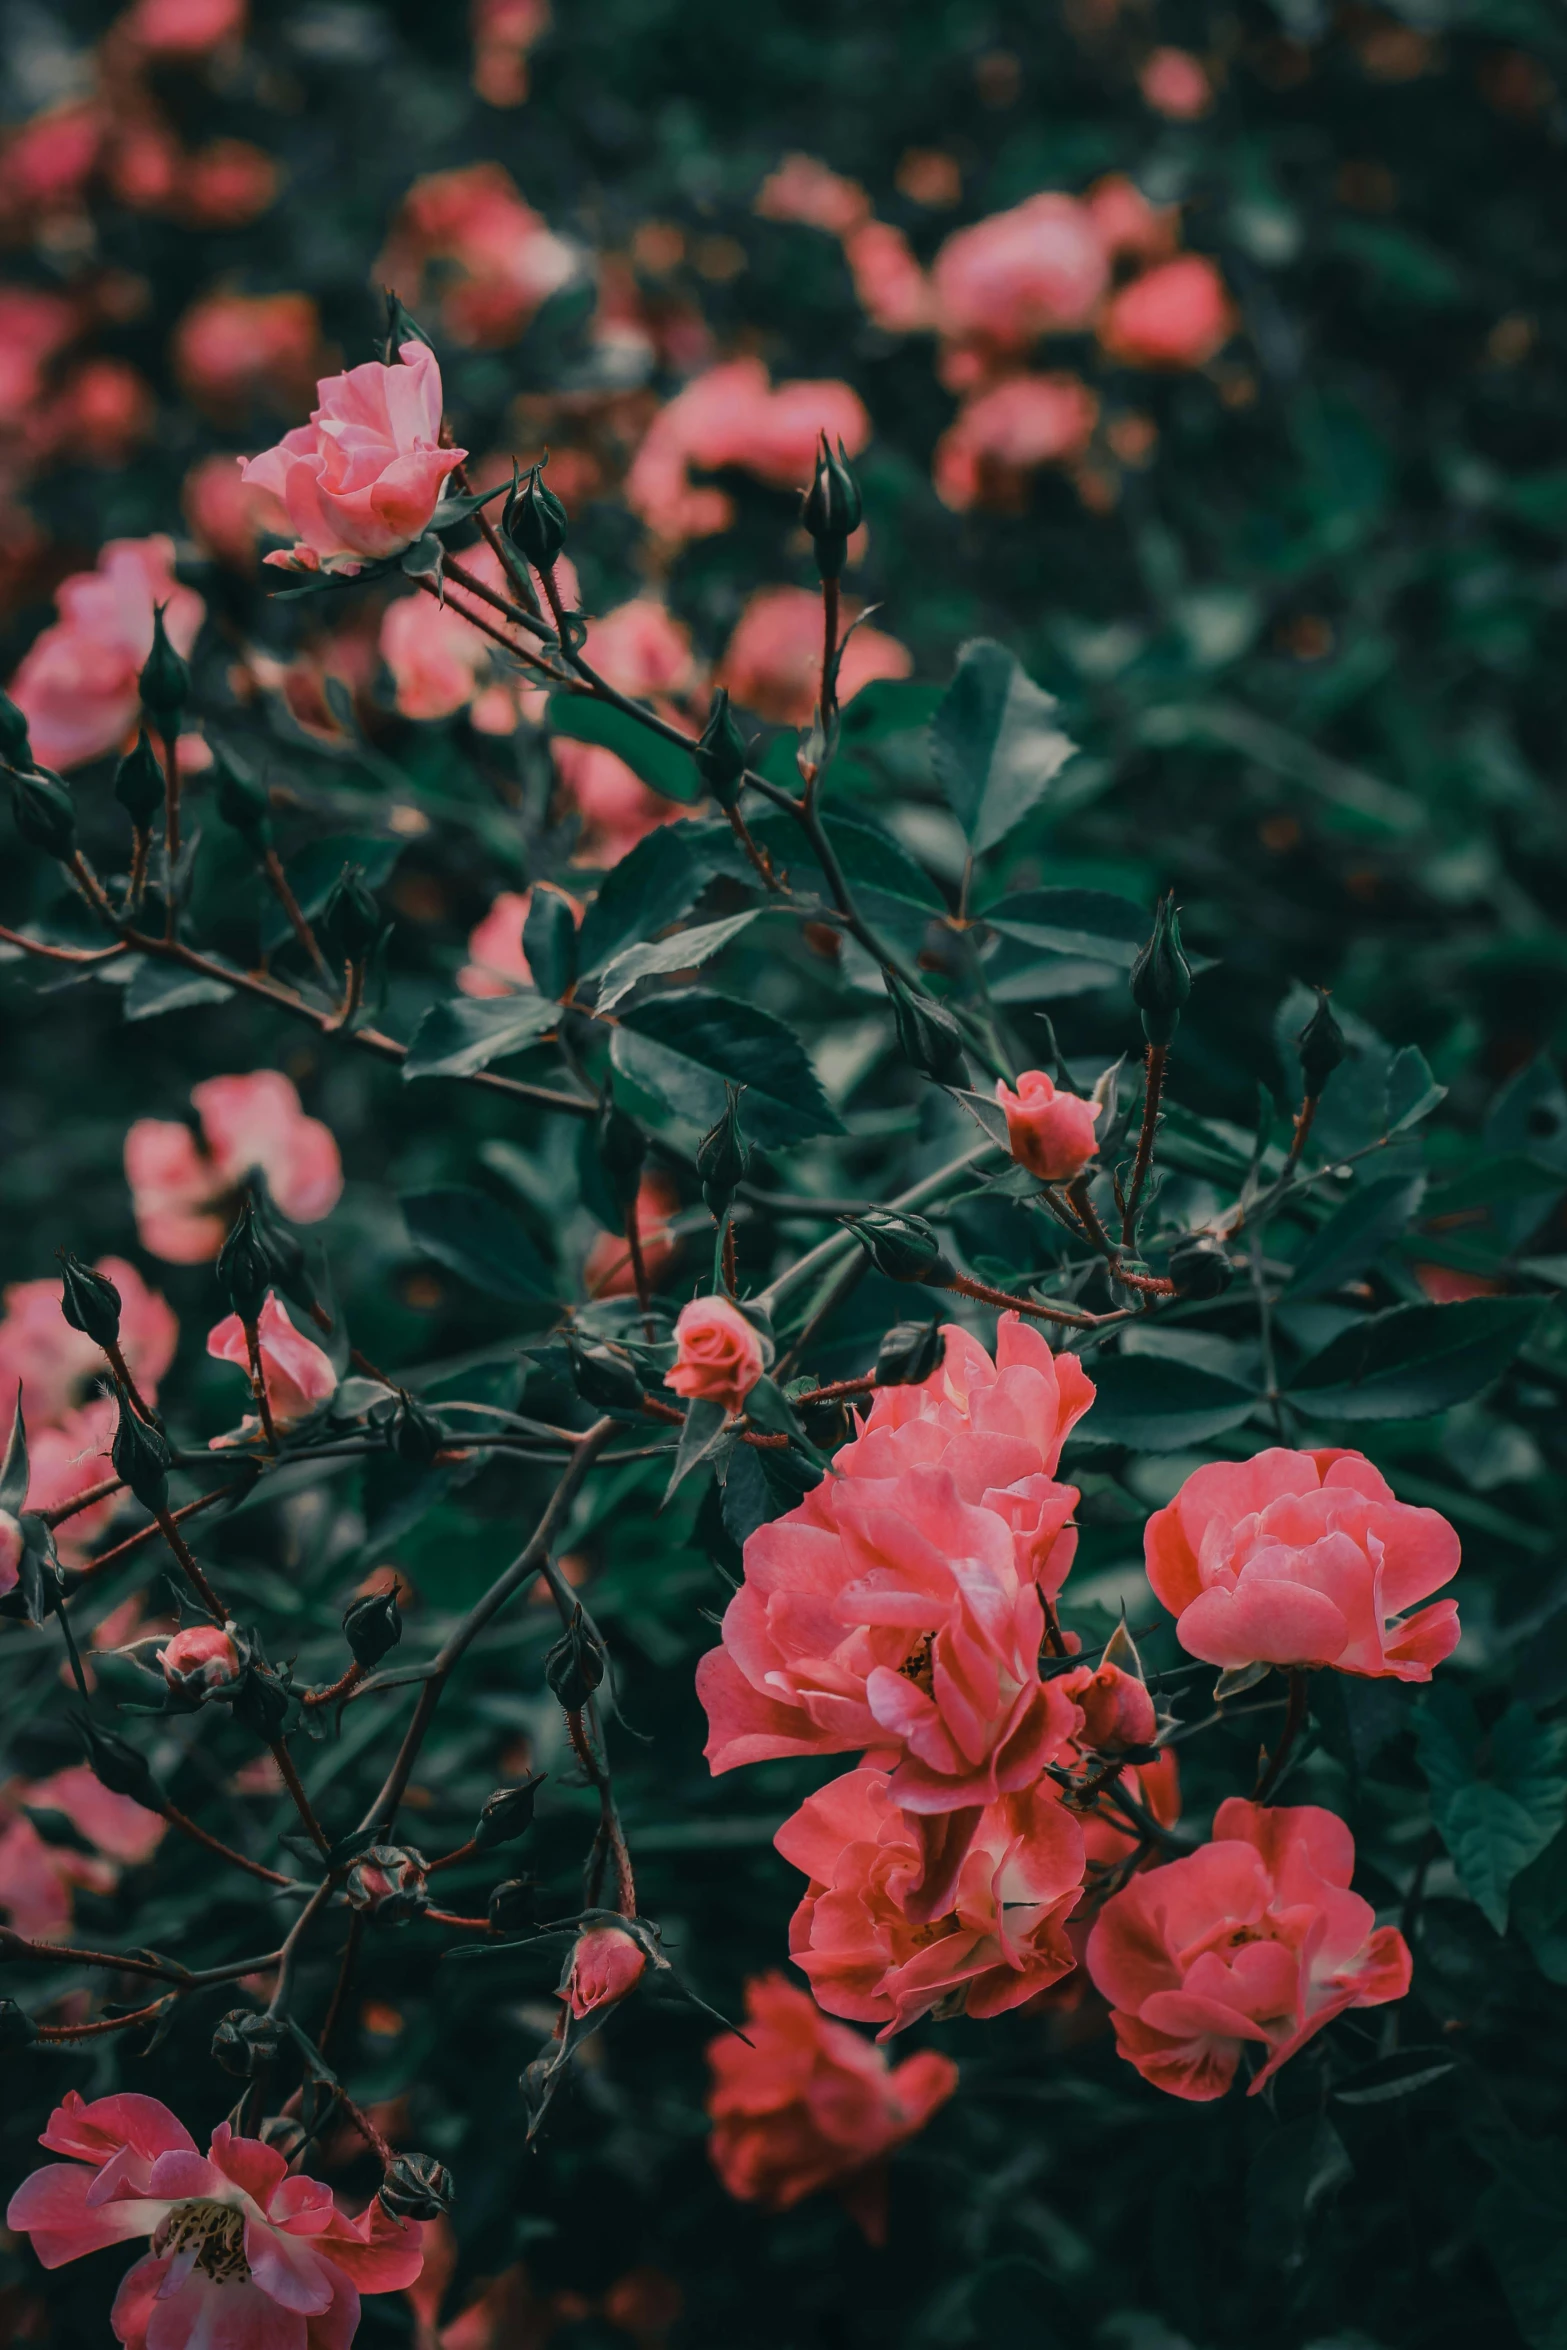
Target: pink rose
(227, 184)
(808, 191)
(37, 1878)
(435, 656)
(1304, 1558)
(719, 1356)
(297, 1376)
(773, 661)
(1048, 1132)
(201, 1657)
(1116, 1708)
(244, 2252)
(503, 33)
(182, 28)
(1131, 227)
(77, 684)
(34, 326)
(183, 1190)
(67, 1458)
(1177, 315)
(1003, 1939)
(230, 349)
(57, 1366)
(606, 1271)
(1174, 83)
(894, 292)
(732, 416)
(103, 410)
(996, 440)
(361, 480)
(47, 162)
(1255, 1940)
(605, 1964)
(801, 2104)
(1038, 269)
(466, 239)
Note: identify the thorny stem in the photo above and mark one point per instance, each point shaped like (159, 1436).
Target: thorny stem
(1154, 1088)
(144, 1534)
(514, 612)
(1303, 1124)
(239, 1860)
(295, 1786)
(497, 636)
(962, 1286)
(272, 865)
(136, 881)
(1270, 1369)
(121, 1370)
(289, 1954)
(840, 1245)
(258, 1385)
(1271, 1768)
(193, 1574)
(171, 805)
(829, 650)
(110, 2023)
(338, 1688)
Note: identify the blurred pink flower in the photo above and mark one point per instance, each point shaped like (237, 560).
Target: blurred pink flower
(1131, 227)
(68, 1457)
(226, 516)
(182, 1190)
(77, 684)
(36, 1877)
(435, 656)
(1001, 436)
(1038, 269)
(1175, 84)
(56, 1366)
(34, 326)
(229, 349)
(182, 28)
(733, 416)
(606, 1271)
(496, 962)
(363, 477)
(644, 651)
(504, 31)
(895, 293)
(466, 239)
(45, 165)
(809, 191)
(298, 1376)
(1177, 315)
(773, 661)
(227, 183)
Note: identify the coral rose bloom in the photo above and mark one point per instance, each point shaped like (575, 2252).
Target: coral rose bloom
(1256, 1941)
(297, 1376)
(1038, 269)
(1049, 1132)
(231, 348)
(242, 2254)
(183, 1191)
(1178, 315)
(1304, 1558)
(802, 2104)
(719, 1355)
(1003, 1940)
(77, 684)
(773, 662)
(361, 480)
(1006, 433)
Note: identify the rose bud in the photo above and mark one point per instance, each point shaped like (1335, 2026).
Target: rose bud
(1117, 1709)
(507, 1814)
(909, 1353)
(388, 1884)
(372, 1627)
(201, 1657)
(1049, 1132)
(574, 1667)
(605, 1964)
(416, 2186)
(13, 1547)
(246, 2043)
(719, 1355)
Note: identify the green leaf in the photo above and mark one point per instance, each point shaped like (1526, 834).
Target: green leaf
(887, 706)
(468, 1233)
(1354, 1234)
(1415, 1360)
(1092, 923)
(167, 987)
(1300, 2165)
(1412, 1091)
(1522, 2222)
(1496, 1804)
(682, 951)
(1161, 1406)
(994, 743)
(703, 1432)
(655, 885)
(313, 874)
(655, 760)
(1402, 2074)
(454, 1039)
(684, 1046)
(1539, 1908)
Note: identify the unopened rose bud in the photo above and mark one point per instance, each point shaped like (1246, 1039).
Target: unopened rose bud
(201, 1657)
(138, 782)
(574, 1667)
(1199, 1267)
(1161, 980)
(723, 1156)
(15, 748)
(117, 1765)
(1117, 1709)
(246, 2043)
(388, 1884)
(928, 1037)
(372, 1626)
(604, 1965)
(416, 2186)
(142, 1458)
(89, 1300)
(45, 814)
(351, 918)
(244, 1267)
(165, 680)
(903, 1247)
(535, 520)
(909, 1353)
(722, 753)
(507, 1814)
(832, 508)
(1321, 1045)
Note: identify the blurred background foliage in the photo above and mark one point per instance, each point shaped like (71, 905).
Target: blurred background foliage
(1303, 609)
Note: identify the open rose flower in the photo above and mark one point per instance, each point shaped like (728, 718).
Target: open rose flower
(801, 2104)
(1002, 1941)
(1304, 1558)
(77, 684)
(1049, 1132)
(605, 1964)
(719, 1354)
(1116, 1708)
(361, 480)
(242, 2255)
(1254, 1942)
(1037, 269)
(297, 1375)
(183, 1190)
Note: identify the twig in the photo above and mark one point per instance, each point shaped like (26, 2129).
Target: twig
(272, 866)
(1271, 1769)
(1152, 1091)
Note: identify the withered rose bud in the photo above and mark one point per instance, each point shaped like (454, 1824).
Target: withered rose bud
(246, 2043)
(388, 1884)
(372, 1626)
(574, 1667)
(416, 2186)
